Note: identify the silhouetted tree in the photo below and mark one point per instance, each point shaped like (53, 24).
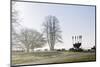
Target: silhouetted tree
(77, 45)
(52, 31)
(78, 41)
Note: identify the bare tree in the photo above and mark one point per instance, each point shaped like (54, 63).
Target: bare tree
(52, 31)
(80, 38)
(14, 13)
(31, 39)
(14, 23)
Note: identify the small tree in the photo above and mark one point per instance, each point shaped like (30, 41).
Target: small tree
(78, 41)
(52, 31)
(77, 45)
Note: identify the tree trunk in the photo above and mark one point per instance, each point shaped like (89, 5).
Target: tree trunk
(27, 50)
(52, 47)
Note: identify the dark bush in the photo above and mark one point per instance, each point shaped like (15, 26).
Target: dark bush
(93, 48)
(89, 50)
(80, 49)
(63, 49)
(45, 49)
(71, 49)
(76, 50)
(58, 50)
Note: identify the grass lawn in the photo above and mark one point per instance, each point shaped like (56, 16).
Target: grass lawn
(51, 57)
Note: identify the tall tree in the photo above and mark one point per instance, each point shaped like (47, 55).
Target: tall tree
(31, 39)
(15, 19)
(52, 31)
(14, 23)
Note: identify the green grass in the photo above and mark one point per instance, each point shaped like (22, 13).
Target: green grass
(51, 57)
(81, 58)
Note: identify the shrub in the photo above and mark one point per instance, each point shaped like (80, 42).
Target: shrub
(71, 49)
(93, 48)
(45, 49)
(76, 50)
(58, 49)
(63, 49)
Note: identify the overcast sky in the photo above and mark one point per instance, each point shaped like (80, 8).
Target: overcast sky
(73, 20)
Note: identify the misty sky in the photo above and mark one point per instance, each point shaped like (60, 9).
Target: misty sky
(73, 20)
